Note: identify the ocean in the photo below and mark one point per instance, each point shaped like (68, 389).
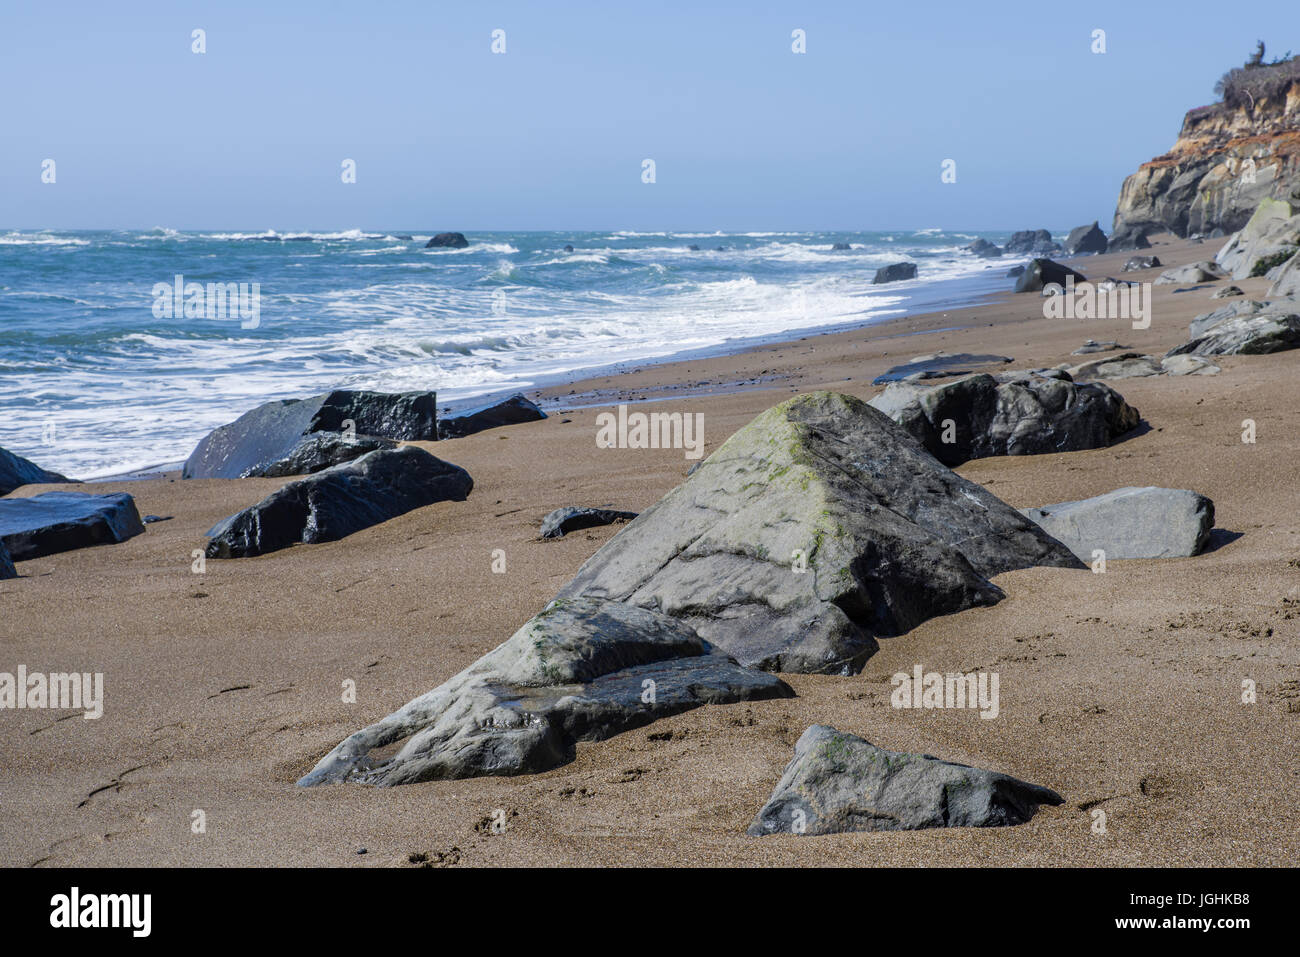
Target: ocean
(98, 377)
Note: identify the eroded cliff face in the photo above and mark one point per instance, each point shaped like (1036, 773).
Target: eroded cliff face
(1226, 160)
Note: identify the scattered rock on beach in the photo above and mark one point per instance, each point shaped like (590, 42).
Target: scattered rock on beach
(1031, 242)
(447, 240)
(1044, 272)
(339, 501)
(16, 471)
(55, 522)
(1134, 263)
(581, 670)
(1274, 329)
(813, 530)
(1085, 239)
(838, 782)
(319, 451)
(1027, 414)
(574, 517)
(895, 272)
(509, 411)
(272, 432)
(1129, 365)
(1192, 273)
(1131, 523)
(1188, 365)
(1128, 237)
(936, 366)
(1227, 292)
(1091, 346)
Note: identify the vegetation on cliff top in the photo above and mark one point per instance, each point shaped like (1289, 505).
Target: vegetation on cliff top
(1257, 80)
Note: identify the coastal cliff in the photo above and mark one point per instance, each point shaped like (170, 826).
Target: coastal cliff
(1229, 156)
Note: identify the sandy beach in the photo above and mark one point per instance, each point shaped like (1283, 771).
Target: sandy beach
(1122, 690)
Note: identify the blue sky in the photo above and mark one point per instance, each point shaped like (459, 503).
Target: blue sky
(745, 134)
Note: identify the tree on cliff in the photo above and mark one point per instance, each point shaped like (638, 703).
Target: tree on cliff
(1246, 85)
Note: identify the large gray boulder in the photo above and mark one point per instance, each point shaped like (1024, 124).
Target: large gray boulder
(1029, 414)
(269, 435)
(1273, 229)
(509, 411)
(1208, 320)
(1287, 282)
(339, 501)
(1044, 272)
(317, 452)
(1274, 329)
(447, 241)
(895, 272)
(582, 670)
(838, 782)
(813, 530)
(1031, 242)
(16, 471)
(55, 522)
(1085, 239)
(1131, 523)
(984, 249)
(1128, 237)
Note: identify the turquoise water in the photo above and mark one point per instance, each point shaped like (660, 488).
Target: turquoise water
(95, 380)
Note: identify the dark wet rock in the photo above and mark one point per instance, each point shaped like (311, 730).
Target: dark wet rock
(16, 471)
(1227, 292)
(984, 249)
(509, 411)
(568, 248)
(1193, 273)
(1128, 365)
(581, 670)
(895, 272)
(61, 521)
(1026, 414)
(1044, 272)
(1085, 239)
(447, 240)
(1276, 329)
(837, 247)
(1092, 346)
(838, 782)
(7, 569)
(272, 432)
(319, 451)
(339, 501)
(1131, 523)
(1128, 237)
(812, 531)
(693, 248)
(1031, 242)
(1135, 263)
(938, 365)
(1015, 271)
(571, 518)
(404, 237)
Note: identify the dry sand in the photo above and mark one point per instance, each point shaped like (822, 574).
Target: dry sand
(1122, 691)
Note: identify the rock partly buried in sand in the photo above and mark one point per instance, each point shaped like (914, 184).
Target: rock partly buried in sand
(447, 241)
(320, 451)
(61, 521)
(1027, 414)
(1227, 292)
(1208, 320)
(339, 501)
(271, 433)
(938, 365)
(895, 272)
(7, 569)
(838, 782)
(1085, 239)
(1044, 272)
(1287, 282)
(1031, 242)
(16, 471)
(1131, 523)
(1188, 365)
(1129, 365)
(1192, 273)
(814, 529)
(1274, 329)
(574, 517)
(581, 670)
(1091, 346)
(1136, 263)
(509, 411)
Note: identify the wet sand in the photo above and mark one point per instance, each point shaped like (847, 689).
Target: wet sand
(1121, 691)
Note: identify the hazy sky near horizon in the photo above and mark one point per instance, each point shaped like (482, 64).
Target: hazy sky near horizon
(745, 134)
